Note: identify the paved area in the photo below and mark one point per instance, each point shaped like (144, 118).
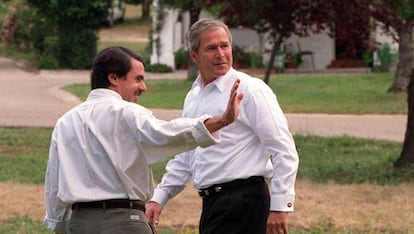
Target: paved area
(35, 99)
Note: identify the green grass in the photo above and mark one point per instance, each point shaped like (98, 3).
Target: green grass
(339, 94)
(22, 225)
(24, 153)
(350, 94)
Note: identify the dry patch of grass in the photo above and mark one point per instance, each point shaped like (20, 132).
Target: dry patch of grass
(362, 207)
(18, 199)
(128, 33)
(354, 207)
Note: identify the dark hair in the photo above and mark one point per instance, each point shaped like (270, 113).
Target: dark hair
(112, 60)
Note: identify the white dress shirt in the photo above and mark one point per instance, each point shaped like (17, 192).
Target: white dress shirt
(102, 149)
(258, 143)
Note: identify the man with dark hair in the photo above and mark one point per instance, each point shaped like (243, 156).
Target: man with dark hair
(98, 177)
(229, 176)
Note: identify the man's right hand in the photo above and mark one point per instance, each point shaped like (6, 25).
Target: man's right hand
(230, 114)
(153, 211)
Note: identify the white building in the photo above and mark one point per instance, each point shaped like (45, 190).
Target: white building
(318, 49)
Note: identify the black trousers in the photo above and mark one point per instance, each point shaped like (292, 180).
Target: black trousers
(238, 210)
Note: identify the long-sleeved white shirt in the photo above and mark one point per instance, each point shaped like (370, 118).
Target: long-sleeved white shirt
(258, 143)
(102, 149)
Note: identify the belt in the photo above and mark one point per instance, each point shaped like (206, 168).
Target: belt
(110, 204)
(220, 188)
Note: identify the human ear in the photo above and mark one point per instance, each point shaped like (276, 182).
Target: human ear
(112, 78)
(193, 56)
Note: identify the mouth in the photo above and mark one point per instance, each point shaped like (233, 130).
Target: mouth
(220, 64)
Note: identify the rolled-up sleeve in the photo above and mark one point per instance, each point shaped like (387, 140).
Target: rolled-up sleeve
(56, 214)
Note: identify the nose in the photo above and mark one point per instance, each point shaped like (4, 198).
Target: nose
(143, 87)
(220, 53)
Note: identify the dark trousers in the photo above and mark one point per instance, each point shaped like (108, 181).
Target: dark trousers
(109, 221)
(238, 210)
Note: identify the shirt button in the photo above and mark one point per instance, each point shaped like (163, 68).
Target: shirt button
(289, 204)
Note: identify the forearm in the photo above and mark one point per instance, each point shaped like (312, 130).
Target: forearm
(215, 123)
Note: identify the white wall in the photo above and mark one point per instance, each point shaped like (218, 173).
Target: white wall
(321, 45)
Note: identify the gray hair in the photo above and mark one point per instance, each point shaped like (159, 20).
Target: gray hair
(193, 35)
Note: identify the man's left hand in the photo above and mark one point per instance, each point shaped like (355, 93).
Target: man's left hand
(277, 222)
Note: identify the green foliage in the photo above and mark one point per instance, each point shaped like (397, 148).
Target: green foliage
(181, 58)
(158, 68)
(246, 59)
(74, 28)
(134, 2)
(255, 60)
(384, 58)
(240, 59)
(403, 8)
(48, 61)
(76, 50)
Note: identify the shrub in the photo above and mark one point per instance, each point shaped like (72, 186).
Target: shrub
(76, 23)
(240, 59)
(158, 68)
(181, 58)
(255, 60)
(380, 58)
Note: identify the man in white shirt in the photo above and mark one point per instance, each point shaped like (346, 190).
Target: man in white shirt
(229, 176)
(98, 177)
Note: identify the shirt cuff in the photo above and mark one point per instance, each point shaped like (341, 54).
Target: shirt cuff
(201, 134)
(282, 203)
(56, 226)
(160, 196)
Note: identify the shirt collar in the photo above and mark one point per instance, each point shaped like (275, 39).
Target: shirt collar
(220, 83)
(102, 92)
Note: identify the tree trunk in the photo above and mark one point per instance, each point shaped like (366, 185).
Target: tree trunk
(407, 154)
(192, 71)
(403, 73)
(276, 46)
(146, 6)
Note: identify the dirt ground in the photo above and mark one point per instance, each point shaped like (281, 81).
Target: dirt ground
(364, 207)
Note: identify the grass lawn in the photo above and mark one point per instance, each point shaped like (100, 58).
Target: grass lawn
(302, 93)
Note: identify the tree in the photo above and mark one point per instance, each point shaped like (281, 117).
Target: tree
(404, 9)
(349, 20)
(279, 18)
(405, 71)
(146, 7)
(77, 22)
